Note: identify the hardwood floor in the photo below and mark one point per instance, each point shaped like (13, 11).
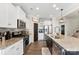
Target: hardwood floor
(35, 48)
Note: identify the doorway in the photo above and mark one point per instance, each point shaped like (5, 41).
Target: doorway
(47, 29)
(35, 32)
(63, 29)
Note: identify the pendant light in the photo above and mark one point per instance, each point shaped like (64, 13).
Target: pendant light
(61, 19)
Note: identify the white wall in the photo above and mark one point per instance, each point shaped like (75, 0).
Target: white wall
(47, 22)
(56, 25)
(72, 25)
(29, 27)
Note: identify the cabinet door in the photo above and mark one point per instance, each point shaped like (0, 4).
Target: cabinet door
(3, 14)
(57, 50)
(12, 16)
(9, 51)
(19, 48)
(15, 49)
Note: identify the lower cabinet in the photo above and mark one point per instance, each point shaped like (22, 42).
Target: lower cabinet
(57, 50)
(49, 44)
(54, 48)
(15, 49)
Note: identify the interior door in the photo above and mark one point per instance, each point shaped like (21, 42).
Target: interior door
(63, 29)
(35, 32)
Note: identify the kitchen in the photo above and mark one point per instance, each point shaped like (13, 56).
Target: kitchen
(39, 28)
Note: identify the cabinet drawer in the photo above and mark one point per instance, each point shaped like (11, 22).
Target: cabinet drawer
(19, 48)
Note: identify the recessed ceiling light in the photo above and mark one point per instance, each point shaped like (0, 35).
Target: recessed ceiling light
(57, 8)
(37, 8)
(54, 5)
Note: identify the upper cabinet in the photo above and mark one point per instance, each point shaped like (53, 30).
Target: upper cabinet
(12, 16)
(20, 14)
(3, 15)
(9, 15)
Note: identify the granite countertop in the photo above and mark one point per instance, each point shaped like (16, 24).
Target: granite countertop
(68, 43)
(10, 42)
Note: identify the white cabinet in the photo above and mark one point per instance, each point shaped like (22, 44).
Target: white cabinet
(9, 50)
(3, 15)
(9, 15)
(15, 49)
(15, 13)
(12, 16)
(41, 36)
(19, 48)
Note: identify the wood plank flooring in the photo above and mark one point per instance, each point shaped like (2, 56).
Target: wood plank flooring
(35, 48)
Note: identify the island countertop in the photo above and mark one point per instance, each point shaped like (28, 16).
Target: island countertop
(10, 42)
(68, 43)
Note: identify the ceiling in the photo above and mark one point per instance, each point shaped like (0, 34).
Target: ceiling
(73, 15)
(46, 10)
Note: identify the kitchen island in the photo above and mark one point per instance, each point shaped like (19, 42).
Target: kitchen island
(13, 46)
(64, 45)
